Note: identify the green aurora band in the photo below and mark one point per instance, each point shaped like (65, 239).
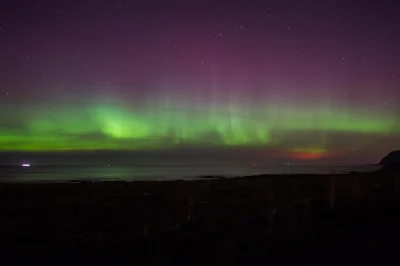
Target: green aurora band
(118, 126)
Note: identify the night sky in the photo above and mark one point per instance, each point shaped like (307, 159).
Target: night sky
(299, 80)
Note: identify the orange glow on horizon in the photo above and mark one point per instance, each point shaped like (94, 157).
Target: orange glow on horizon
(307, 155)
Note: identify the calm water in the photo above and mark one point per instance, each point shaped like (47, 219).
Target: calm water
(127, 173)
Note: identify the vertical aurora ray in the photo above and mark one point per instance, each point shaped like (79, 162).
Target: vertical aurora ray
(271, 77)
(210, 122)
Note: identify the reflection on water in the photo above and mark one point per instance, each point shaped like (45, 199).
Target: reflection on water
(132, 173)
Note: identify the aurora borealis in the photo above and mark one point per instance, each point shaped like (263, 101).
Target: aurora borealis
(302, 80)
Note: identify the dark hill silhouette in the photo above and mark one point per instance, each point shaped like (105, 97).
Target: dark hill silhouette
(391, 164)
(391, 158)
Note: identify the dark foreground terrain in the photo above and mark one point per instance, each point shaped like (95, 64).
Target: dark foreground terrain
(269, 220)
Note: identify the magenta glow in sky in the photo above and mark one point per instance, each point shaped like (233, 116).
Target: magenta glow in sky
(305, 78)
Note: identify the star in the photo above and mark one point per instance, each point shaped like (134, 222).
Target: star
(136, 51)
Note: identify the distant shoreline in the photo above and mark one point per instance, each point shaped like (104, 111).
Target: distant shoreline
(87, 173)
(64, 174)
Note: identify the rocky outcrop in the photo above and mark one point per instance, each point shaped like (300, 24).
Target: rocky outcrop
(391, 164)
(391, 158)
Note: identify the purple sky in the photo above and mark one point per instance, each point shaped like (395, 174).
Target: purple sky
(336, 53)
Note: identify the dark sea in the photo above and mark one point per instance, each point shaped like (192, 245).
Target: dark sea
(36, 173)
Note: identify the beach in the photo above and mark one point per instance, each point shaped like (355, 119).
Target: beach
(255, 220)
